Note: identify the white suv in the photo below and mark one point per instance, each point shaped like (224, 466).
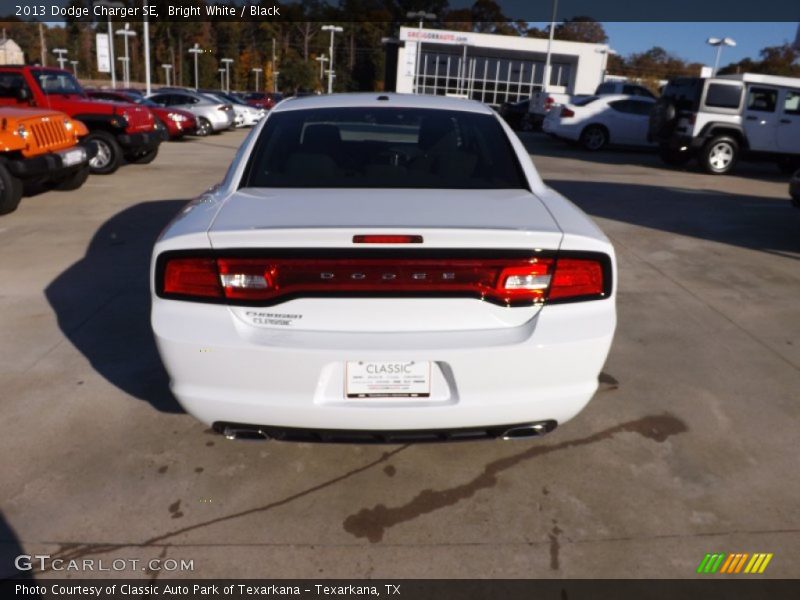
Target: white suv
(722, 119)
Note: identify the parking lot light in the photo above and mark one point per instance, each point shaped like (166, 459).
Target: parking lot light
(719, 43)
(227, 62)
(167, 69)
(126, 33)
(196, 49)
(258, 72)
(61, 59)
(334, 29)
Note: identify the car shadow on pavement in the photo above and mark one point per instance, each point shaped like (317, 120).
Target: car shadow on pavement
(102, 303)
(540, 144)
(10, 549)
(765, 224)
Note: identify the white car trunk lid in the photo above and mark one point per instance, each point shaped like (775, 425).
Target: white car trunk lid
(485, 222)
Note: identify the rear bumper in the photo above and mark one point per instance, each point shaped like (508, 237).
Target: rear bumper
(52, 166)
(680, 143)
(223, 371)
(138, 143)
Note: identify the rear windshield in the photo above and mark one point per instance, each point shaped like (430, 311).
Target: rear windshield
(383, 148)
(584, 101)
(685, 92)
(606, 88)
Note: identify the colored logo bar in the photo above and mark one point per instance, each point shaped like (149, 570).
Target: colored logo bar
(741, 562)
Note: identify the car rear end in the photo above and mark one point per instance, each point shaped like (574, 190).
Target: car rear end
(673, 118)
(141, 135)
(219, 114)
(541, 103)
(568, 121)
(383, 314)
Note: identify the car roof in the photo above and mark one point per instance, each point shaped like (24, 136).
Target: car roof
(381, 100)
(613, 97)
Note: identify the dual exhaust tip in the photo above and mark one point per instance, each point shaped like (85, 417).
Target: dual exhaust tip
(518, 432)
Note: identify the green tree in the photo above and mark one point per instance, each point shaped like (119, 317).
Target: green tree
(581, 29)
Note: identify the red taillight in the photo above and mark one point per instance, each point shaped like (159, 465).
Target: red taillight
(192, 277)
(575, 277)
(506, 281)
(548, 102)
(387, 239)
(566, 112)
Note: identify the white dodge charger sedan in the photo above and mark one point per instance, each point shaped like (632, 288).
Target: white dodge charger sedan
(599, 121)
(383, 267)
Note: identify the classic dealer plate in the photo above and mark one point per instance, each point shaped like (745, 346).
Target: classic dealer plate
(388, 379)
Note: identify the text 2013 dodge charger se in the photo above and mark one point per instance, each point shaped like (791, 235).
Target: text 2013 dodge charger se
(383, 268)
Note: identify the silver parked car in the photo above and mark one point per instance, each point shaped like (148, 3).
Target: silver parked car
(244, 114)
(212, 114)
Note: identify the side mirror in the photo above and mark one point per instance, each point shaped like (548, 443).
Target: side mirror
(23, 95)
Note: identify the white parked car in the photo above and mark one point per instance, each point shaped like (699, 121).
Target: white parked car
(244, 114)
(597, 121)
(383, 268)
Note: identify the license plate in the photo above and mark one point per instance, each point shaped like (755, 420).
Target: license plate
(72, 157)
(388, 379)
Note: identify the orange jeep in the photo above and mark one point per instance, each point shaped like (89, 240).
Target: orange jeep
(40, 147)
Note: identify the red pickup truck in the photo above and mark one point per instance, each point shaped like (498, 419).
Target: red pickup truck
(117, 130)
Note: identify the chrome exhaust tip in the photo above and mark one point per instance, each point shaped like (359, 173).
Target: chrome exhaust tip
(248, 435)
(524, 432)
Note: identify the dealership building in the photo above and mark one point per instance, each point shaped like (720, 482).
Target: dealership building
(487, 67)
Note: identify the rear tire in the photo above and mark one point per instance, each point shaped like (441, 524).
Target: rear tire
(143, 159)
(109, 154)
(203, 127)
(594, 138)
(10, 191)
(74, 181)
(719, 155)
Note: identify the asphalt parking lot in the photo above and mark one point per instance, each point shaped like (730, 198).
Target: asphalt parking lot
(689, 446)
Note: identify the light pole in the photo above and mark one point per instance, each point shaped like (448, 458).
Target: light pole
(334, 29)
(146, 33)
(227, 62)
(127, 33)
(124, 60)
(719, 43)
(422, 16)
(258, 72)
(74, 64)
(111, 4)
(196, 50)
(546, 80)
(221, 72)
(322, 60)
(61, 60)
(167, 69)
